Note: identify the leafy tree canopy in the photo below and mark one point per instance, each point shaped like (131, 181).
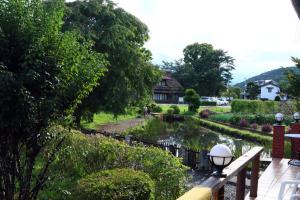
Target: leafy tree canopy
(293, 84)
(120, 36)
(252, 90)
(233, 92)
(203, 68)
(192, 98)
(44, 75)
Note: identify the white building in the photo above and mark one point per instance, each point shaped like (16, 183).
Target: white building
(269, 89)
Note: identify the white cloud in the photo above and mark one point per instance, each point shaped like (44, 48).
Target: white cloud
(260, 35)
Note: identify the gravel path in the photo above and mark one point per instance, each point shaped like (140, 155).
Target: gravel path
(120, 126)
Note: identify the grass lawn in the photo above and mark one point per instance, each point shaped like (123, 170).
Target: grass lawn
(104, 118)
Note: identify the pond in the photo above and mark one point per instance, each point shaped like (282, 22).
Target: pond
(189, 134)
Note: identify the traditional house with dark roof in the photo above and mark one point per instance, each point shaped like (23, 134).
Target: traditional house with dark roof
(168, 90)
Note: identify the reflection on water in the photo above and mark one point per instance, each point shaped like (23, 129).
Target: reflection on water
(191, 135)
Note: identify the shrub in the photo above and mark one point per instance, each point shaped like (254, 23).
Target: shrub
(243, 123)
(208, 103)
(155, 108)
(81, 155)
(254, 106)
(115, 184)
(176, 109)
(267, 128)
(277, 98)
(254, 126)
(192, 98)
(170, 111)
(204, 113)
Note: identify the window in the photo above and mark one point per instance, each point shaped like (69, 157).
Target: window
(160, 97)
(270, 89)
(162, 83)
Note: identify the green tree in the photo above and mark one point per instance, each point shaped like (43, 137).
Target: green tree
(233, 92)
(44, 75)
(121, 36)
(193, 99)
(203, 68)
(293, 84)
(252, 90)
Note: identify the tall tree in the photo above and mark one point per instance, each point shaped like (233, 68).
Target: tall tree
(203, 68)
(121, 36)
(252, 90)
(232, 92)
(44, 74)
(293, 84)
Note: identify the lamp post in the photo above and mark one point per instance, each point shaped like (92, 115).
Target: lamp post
(296, 116)
(279, 118)
(220, 157)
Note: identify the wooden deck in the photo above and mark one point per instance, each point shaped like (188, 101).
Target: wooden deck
(269, 183)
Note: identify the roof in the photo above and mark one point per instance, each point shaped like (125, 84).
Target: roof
(172, 85)
(266, 82)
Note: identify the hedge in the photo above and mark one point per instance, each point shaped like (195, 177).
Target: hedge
(115, 184)
(235, 118)
(262, 139)
(82, 155)
(208, 103)
(254, 106)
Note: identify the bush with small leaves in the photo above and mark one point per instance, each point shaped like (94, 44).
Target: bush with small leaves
(205, 113)
(115, 184)
(254, 126)
(267, 128)
(176, 109)
(244, 123)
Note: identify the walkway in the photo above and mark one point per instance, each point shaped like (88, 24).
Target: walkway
(120, 126)
(269, 183)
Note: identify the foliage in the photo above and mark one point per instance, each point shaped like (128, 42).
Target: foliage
(205, 113)
(44, 75)
(82, 155)
(252, 90)
(156, 108)
(121, 36)
(170, 111)
(294, 82)
(203, 68)
(232, 92)
(192, 98)
(115, 184)
(244, 134)
(243, 123)
(235, 118)
(176, 109)
(267, 128)
(208, 103)
(254, 106)
(254, 126)
(277, 98)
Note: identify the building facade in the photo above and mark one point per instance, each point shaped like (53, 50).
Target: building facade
(168, 90)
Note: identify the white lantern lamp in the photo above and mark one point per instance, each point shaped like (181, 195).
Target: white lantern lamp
(220, 157)
(296, 116)
(279, 118)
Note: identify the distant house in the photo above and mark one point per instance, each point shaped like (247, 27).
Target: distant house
(269, 89)
(168, 90)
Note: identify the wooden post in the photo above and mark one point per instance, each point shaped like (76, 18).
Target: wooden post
(219, 195)
(254, 176)
(240, 185)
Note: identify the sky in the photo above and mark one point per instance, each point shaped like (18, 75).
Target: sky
(260, 34)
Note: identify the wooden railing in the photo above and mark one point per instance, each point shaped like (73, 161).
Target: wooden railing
(236, 168)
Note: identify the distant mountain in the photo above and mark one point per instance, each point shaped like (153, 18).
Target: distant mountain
(275, 74)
